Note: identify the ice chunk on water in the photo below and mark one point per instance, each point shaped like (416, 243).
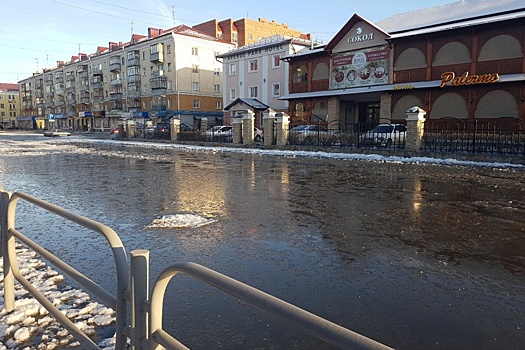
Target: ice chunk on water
(180, 221)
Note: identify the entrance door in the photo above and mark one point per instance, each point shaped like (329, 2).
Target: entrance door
(369, 113)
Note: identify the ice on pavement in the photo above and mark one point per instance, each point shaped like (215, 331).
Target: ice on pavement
(180, 221)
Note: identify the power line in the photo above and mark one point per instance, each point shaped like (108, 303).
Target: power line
(41, 39)
(102, 13)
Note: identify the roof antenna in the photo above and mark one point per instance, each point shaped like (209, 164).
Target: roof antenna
(131, 28)
(173, 14)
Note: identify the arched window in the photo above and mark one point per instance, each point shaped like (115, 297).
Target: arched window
(496, 104)
(410, 59)
(449, 105)
(404, 103)
(319, 112)
(500, 47)
(300, 74)
(320, 71)
(299, 111)
(452, 53)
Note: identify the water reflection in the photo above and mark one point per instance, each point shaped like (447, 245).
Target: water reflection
(406, 254)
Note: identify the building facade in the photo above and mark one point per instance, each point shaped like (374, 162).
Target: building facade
(257, 71)
(246, 31)
(9, 105)
(468, 69)
(166, 73)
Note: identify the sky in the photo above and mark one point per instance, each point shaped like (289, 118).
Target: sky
(35, 34)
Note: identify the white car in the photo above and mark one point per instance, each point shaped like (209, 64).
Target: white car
(56, 133)
(385, 135)
(309, 134)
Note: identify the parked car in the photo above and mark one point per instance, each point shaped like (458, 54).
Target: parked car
(309, 134)
(56, 133)
(258, 134)
(220, 133)
(385, 135)
(162, 131)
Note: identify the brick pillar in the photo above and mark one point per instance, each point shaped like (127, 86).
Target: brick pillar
(248, 123)
(415, 129)
(237, 129)
(174, 128)
(282, 126)
(204, 124)
(268, 125)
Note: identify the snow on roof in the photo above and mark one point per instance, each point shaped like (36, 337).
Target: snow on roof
(457, 11)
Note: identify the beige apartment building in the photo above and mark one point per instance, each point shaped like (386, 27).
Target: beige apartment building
(159, 75)
(9, 105)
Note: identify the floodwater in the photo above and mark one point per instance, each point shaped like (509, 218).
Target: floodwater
(414, 256)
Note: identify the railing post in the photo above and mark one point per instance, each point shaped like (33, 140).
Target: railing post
(8, 250)
(139, 294)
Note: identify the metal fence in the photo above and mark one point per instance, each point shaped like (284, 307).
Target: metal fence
(503, 136)
(141, 327)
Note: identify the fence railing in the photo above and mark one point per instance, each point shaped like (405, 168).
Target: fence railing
(141, 327)
(503, 136)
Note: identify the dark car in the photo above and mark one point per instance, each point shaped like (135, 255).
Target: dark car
(162, 131)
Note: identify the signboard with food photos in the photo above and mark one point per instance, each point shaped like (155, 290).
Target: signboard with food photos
(360, 68)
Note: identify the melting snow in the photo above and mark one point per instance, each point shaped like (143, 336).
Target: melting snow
(180, 221)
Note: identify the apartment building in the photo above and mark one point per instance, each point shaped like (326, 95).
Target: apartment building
(166, 73)
(257, 72)
(9, 105)
(247, 31)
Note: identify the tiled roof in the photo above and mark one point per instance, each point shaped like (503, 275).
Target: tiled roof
(8, 86)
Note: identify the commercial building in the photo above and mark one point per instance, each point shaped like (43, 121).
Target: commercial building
(257, 72)
(9, 105)
(469, 67)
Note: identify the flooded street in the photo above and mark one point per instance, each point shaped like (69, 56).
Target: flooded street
(415, 256)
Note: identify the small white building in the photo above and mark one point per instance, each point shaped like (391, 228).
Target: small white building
(257, 71)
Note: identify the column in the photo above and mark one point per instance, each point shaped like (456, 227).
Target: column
(282, 128)
(248, 123)
(415, 129)
(174, 129)
(268, 128)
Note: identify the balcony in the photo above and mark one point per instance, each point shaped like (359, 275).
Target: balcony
(134, 78)
(70, 76)
(135, 61)
(98, 98)
(70, 89)
(116, 82)
(96, 85)
(134, 94)
(59, 78)
(60, 103)
(48, 80)
(114, 64)
(115, 105)
(159, 84)
(135, 103)
(97, 72)
(84, 100)
(157, 53)
(71, 101)
(115, 96)
(60, 90)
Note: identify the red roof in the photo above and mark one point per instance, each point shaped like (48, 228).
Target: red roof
(8, 86)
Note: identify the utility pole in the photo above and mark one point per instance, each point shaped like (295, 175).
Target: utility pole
(173, 14)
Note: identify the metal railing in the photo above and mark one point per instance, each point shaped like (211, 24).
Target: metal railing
(141, 328)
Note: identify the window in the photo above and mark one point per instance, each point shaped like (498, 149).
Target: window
(217, 71)
(143, 55)
(217, 88)
(196, 104)
(169, 66)
(144, 105)
(168, 49)
(232, 94)
(235, 37)
(170, 85)
(218, 105)
(195, 51)
(276, 62)
(144, 71)
(253, 92)
(169, 103)
(233, 69)
(195, 68)
(195, 86)
(276, 90)
(253, 67)
(250, 37)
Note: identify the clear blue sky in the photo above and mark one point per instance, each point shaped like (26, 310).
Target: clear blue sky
(34, 34)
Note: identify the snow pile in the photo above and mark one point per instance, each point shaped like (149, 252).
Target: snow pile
(30, 326)
(180, 221)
